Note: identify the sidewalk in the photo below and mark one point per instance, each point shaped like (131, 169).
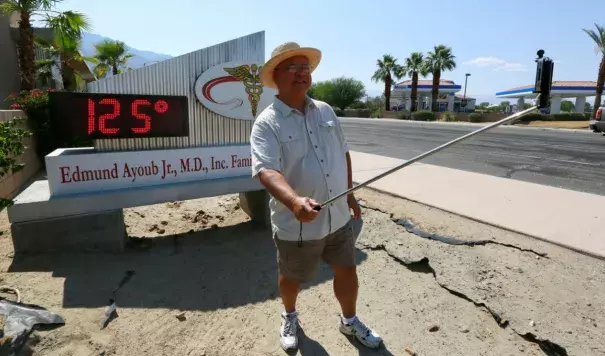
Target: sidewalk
(564, 217)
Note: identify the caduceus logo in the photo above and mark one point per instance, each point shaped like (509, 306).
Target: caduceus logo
(249, 76)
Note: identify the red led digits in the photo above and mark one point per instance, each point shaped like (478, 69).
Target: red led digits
(91, 116)
(113, 115)
(139, 120)
(161, 106)
(141, 116)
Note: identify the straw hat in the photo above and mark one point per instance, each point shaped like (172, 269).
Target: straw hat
(283, 52)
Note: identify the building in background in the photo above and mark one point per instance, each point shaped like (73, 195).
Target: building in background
(448, 99)
(10, 81)
(579, 90)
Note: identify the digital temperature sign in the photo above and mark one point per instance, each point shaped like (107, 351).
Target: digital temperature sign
(98, 115)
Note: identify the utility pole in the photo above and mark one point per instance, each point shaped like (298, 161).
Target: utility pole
(464, 102)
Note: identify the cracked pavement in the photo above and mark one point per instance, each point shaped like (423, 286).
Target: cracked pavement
(202, 290)
(556, 302)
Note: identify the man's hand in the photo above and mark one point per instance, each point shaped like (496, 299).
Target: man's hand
(302, 208)
(353, 205)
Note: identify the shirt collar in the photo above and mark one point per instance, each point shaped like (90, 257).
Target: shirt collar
(286, 110)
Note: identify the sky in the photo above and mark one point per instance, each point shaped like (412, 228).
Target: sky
(495, 41)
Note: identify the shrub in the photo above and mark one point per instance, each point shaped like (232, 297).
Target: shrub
(570, 117)
(357, 113)
(358, 105)
(448, 116)
(403, 115)
(375, 113)
(35, 104)
(474, 117)
(423, 115)
(11, 147)
(363, 113)
(338, 112)
(534, 117)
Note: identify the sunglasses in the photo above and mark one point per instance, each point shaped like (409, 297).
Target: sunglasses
(293, 68)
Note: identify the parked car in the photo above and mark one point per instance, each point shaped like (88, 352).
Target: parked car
(597, 124)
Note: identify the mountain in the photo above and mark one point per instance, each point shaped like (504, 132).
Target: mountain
(140, 57)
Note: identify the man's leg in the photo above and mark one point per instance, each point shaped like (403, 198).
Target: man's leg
(288, 290)
(339, 253)
(346, 288)
(296, 265)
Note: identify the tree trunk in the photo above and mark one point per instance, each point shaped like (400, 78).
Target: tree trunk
(600, 83)
(27, 53)
(387, 93)
(435, 91)
(414, 94)
(67, 76)
(115, 70)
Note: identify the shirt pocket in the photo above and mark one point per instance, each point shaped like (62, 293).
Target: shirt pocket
(327, 133)
(293, 145)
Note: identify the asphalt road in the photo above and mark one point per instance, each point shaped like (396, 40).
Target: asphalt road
(559, 158)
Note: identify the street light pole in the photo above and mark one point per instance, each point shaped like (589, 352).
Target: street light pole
(465, 82)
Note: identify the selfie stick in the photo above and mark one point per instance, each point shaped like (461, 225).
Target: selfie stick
(542, 87)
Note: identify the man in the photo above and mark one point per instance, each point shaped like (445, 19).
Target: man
(301, 157)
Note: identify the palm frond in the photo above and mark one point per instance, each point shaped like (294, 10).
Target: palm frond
(101, 70)
(90, 59)
(7, 7)
(598, 37)
(45, 63)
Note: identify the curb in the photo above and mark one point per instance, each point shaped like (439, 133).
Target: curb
(481, 124)
(568, 247)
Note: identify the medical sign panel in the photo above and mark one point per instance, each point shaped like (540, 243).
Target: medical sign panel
(107, 116)
(234, 90)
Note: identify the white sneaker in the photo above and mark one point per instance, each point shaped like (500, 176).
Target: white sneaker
(287, 333)
(364, 334)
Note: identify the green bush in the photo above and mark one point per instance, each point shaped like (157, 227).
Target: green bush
(423, 115)
(358, 105)
(11, 147)
(570, 117)
(35, 104)
(403, 115)
(535, 117)
(357, 113)
(448, 116)
(375, 113)
(338, 112)
(474, 117)
(364, 113)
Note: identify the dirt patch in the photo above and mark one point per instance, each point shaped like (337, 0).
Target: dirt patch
(556, 124)
(206, 285)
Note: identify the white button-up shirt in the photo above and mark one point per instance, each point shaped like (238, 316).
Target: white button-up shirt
(309, 150)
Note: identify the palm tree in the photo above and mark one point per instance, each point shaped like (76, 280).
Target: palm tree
(387, 69)
(68, 24)
(111, 55)
(599, 37)
(62, 54)
(413, 66)
(437, 61)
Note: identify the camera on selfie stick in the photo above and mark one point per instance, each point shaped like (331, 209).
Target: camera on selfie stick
(544, 71)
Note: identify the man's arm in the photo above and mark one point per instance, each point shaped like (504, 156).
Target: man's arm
(349, 172)
(278, 187)
(345, 147)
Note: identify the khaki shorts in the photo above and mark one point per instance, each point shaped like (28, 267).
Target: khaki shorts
(300, 263)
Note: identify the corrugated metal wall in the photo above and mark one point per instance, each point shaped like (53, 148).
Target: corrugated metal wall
(177, 76)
